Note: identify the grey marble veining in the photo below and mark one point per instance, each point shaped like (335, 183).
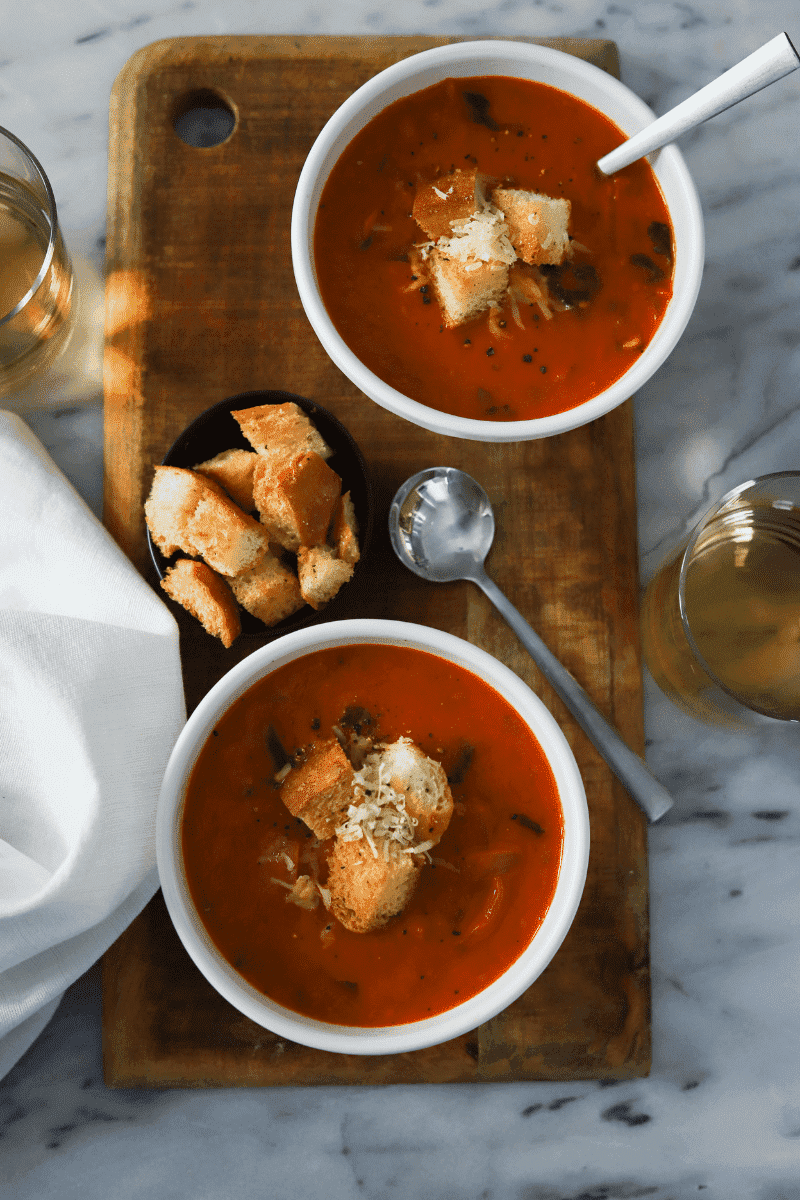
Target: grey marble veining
(719, 1117)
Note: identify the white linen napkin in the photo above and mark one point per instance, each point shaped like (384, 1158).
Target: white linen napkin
(91, 703)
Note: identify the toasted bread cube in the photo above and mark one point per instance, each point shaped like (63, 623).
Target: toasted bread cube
(537, 225)
(320, 789)
(296, 500)
(185, 511)
(453, 197)
(233, 471)
(465, 290)
(367, 890)
(206, 596)
(321, 573)
(423, 781)
(344, 532)
(280, 431)
(170, 506)
(270, 591)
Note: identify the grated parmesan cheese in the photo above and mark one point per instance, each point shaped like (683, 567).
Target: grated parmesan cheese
(483, 236)
(378, 814)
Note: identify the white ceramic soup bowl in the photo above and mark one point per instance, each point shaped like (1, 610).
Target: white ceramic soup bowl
(463, 1017)
(519, 60)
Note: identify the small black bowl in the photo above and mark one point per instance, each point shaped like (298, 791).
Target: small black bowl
(216, 430)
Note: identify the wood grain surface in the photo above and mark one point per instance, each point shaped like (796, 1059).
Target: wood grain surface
(201, 304)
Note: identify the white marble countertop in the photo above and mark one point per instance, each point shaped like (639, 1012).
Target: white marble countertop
(720, 1113)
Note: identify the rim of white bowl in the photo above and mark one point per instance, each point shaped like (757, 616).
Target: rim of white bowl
(418, 1034)
(587, 81)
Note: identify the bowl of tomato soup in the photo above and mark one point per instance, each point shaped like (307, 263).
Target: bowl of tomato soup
(494, 898)
(574, 324)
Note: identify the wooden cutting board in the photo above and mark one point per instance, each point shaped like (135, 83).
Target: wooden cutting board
(201, 304)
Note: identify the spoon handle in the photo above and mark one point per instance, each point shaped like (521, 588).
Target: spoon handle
(648, 793)
(771, 62)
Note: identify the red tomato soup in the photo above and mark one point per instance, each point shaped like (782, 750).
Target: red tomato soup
(480, 899)
(606, 299)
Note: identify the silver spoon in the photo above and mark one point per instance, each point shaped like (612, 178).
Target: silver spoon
(441, 526)
(764, 66)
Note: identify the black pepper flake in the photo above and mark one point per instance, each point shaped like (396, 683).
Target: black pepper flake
(527, 358)
(467, 341)
(424, 287)
(543, 370)
(456, 933)
(426, 299)
(490, 352)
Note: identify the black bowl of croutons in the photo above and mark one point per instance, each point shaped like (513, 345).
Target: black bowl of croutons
(259, 514)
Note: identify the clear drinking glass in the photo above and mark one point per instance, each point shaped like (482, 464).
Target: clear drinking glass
(721, 619)
(36, 278)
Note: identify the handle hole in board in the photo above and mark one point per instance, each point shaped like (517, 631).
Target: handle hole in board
(203, 118)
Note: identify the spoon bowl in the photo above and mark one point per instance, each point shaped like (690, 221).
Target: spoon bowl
(441, 524)
(441, 527)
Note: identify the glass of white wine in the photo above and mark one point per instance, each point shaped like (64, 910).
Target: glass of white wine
(36, 277)
(721, 619)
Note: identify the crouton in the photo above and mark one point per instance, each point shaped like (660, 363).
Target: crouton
(422, 780)
(344, 531)
(469, 270)
(185, 511)
(296, 499)
(321, 573)
(280, 431)
(453, 197)
(233, 471)
(366, 890)
(465, 290)
(320, 789)
(537, 225)
(206, 596)
(270, 591)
